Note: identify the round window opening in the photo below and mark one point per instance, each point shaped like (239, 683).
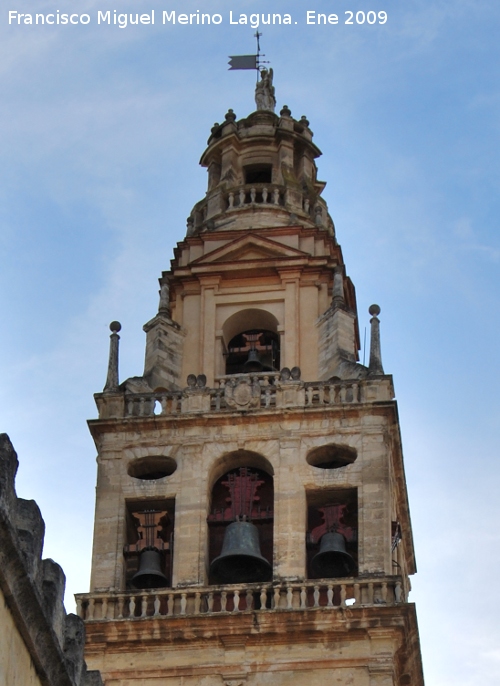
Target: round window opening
(152, 467)
(331, 456)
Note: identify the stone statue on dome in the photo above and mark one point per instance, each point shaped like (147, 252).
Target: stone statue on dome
(264, 91)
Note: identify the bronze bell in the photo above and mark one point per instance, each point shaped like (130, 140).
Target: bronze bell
(333, 560)
(253, 363)
(149, 574)
(240, 560)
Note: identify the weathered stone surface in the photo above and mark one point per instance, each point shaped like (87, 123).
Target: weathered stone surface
(32, 616)
(260, 264)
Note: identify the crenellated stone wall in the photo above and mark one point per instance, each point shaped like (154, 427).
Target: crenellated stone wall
(39, 643)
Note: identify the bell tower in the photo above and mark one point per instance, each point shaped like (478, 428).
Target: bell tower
(252, 523)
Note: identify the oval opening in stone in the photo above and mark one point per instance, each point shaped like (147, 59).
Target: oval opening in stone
(331, 456)
(152, 467)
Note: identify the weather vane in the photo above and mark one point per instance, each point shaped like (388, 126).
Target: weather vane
(264, 90)
(248, 61)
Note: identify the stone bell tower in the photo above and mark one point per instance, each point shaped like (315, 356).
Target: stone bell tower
(252, 523)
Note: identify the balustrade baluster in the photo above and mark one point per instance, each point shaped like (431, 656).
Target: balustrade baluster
(321, 394)
(267, 394)
(306, 205)
(157, 604)
(197, 603)
(210, 602)
(79, 609)
(316, 596)
(90, 609)
(183, 603)
(141, 407)
(343, 392)
(236, 601)
(357, 597)
(253, 194)
(355, 393)
(276, 599)
(242, 197)
(384, 592)
(163, 403)
(309, 395)
(130, 407)
(249, 600)
(265, 193)
(230, 199)
(331, 394)
(289, 598)
(144, 606)
(104, 608)
(343, 595)
(263, 598)
(303, 597)
(223, 601)
(276, 196)
(170, 605)
(398, 592)
(131, 606)
(370, 593)
(329, 595)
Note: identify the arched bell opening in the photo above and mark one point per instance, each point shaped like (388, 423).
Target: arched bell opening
(251, 342)
(332, 534)
(240, 527)
(148, 550)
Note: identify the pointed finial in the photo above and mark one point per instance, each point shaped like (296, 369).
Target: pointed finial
(338, 299)
(164, 306)
(375, 365)
(111, 385)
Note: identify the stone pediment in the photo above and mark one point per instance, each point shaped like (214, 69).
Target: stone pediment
(250, 247)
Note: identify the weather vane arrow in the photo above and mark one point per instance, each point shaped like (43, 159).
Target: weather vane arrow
(243, 62)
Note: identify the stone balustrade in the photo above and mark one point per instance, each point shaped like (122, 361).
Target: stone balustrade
(251, 194)
(178, 602)
(249, 392)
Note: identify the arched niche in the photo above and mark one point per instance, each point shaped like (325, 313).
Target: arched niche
(241, 490)
(239, 458)
(251, 335)
(250, 318)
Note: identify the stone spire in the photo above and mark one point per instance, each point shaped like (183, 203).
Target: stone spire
(375, 365)
(112, 382)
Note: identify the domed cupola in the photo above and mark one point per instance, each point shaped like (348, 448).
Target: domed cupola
(261, 171)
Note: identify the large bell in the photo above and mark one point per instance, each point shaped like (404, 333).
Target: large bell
(240, 560)
(149, 574)
(332, 560)
(253, 363)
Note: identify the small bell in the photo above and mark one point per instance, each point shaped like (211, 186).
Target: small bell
(333, 560)
(240, 560)
(149, 574)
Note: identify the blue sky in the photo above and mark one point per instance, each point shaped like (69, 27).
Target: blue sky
(101, 132)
